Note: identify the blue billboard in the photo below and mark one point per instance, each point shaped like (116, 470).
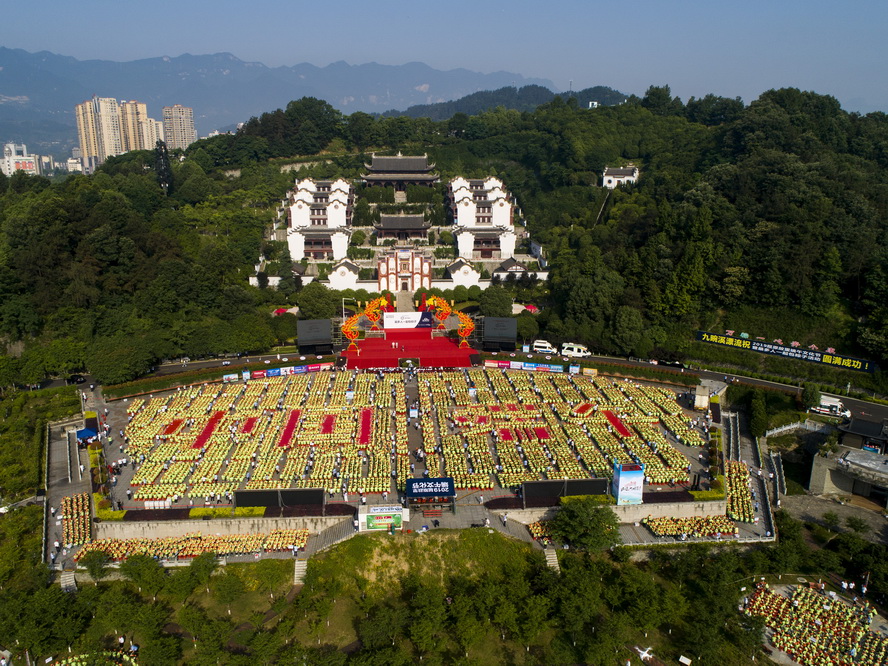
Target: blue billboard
(628, 483)
(440, 487)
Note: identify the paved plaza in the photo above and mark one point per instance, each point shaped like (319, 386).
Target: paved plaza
(369, 431)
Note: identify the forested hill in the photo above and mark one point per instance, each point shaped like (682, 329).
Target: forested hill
(770, 218)
(520, 99)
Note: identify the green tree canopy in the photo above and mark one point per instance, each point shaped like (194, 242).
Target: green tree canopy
(585, 524)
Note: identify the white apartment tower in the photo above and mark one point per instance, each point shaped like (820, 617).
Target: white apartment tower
(98, 128)
(152, 132)
(107, 127)
(178, 126)
(132, 116)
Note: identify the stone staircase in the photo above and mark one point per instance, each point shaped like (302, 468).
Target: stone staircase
(68, 582)
(299, 569)
(329, 537)
(552, 559)
(400, 197)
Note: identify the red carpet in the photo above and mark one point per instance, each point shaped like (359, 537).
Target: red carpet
(617, 424)
(366, 425)
(413, 343)
(289, 429)
(249, 424)
(207, 432)
(327, 424)
(173, 427)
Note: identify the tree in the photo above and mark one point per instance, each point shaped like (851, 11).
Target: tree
(857, 524)
(146, 572)
(586, 524)
(228, 588)
(163, 171)
(628, 329)
(95, 561)
(316, 301)
(659, 100)
(810, 395)
(495, 302)
(831, 520)
(758, 421)
(271, 575)
(528, 328)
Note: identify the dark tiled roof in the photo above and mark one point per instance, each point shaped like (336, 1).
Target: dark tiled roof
(510, 264)
(619, 171)
(400, 164)
(459, 263)
(348, 264)
(402, 222)
(400, 176)
(864, 428)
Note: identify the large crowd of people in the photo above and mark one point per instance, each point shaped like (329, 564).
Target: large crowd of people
(739, 492)
(347, 431)
(75, 520)
(699, 526)
(194, 544)
(817, 628)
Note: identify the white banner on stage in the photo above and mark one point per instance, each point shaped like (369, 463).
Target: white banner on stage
(406, 319)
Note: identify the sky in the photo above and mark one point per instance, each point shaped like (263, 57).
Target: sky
(736, 49)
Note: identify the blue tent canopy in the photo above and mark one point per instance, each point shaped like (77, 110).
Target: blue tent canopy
(86, 433)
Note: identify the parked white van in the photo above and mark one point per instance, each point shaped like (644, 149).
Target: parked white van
(543, 347)
(575, 350)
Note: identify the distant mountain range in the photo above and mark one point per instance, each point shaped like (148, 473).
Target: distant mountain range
(38, 91)
(526, 98)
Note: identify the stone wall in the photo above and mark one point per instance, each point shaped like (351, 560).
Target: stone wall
(170, 528)
(634, 513)
(827, 478)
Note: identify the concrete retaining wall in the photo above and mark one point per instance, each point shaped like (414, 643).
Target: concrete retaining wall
(170, 528)
(634, 513)
(827, 478)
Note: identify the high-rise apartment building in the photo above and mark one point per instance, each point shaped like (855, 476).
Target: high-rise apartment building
(178, 126)
(152, 132)
(132, 116)
(106, 127)
(98, 127)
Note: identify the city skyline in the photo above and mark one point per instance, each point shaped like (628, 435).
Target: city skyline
(697, 48)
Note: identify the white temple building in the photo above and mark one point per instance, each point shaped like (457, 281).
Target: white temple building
(319, 219)
(483, 222)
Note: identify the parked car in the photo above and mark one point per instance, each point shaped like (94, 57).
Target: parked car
(543, 347)
(575, 350)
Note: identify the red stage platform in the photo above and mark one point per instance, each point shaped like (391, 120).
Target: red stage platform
(415, 343)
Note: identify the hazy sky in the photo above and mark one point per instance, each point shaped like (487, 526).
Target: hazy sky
(697, 47)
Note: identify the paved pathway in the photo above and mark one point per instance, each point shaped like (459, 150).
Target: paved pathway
(64, 478)
(811, 508)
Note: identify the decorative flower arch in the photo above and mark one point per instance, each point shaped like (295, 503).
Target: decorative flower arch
(443, 311)
(373, 312)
